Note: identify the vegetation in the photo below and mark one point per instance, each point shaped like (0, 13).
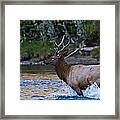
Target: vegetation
(96, 53)
(38, 37)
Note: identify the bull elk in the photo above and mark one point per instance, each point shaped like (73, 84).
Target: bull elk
(78, 77)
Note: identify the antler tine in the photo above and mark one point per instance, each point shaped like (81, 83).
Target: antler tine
(64, 46)
(72, 53)
(81, 45)
(58, 45)
(77, 49)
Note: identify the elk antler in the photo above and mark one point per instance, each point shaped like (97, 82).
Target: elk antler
(58, 45)
(81, 45)
(72, 53)
(63, 45)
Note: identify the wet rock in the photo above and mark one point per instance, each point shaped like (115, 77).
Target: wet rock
(86, 60)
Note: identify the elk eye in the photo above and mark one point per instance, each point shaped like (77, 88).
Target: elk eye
(52, 59)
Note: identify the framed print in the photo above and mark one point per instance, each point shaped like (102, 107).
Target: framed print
(59, 59)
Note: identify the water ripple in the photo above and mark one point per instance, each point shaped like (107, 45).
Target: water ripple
(54, 90)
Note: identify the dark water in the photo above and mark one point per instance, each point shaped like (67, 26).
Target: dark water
(48, 90)
(36, 68)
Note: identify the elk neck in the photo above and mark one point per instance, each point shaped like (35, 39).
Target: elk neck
(62, 69)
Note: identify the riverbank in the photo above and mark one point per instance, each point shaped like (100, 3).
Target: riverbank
(85, 60)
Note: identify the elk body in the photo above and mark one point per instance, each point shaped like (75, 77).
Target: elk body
(78, 77)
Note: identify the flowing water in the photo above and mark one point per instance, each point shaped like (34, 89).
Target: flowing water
(54, 90)
(46, 85)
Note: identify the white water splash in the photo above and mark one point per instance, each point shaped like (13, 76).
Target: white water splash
(92, 91)
(64, 91)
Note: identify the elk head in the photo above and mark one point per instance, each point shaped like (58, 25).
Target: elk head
(59, 52)
(58, 55)
(55, 60)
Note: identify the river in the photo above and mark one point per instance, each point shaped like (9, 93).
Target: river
(42, 83)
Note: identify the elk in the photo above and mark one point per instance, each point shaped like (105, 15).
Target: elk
(78, 77)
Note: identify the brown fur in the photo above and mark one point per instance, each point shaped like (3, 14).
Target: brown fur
(62, 69)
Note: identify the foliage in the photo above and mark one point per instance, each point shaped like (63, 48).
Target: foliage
(37, 37)
(96, 53)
